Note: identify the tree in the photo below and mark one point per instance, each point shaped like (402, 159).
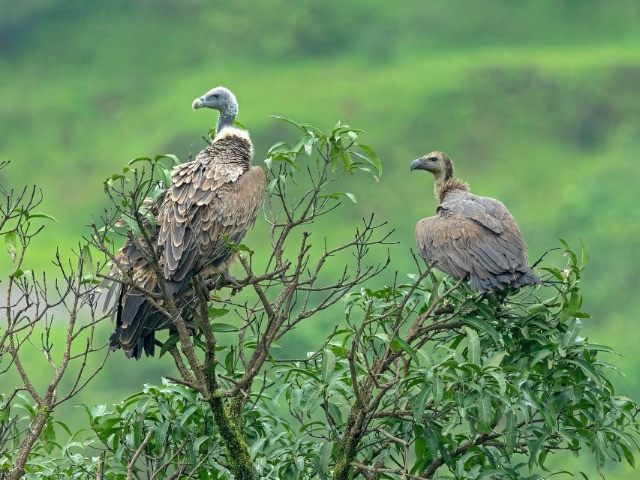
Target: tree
(420, 378)
(31, 306)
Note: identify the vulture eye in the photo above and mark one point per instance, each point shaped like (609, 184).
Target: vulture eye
(215, 95)
(432, 159)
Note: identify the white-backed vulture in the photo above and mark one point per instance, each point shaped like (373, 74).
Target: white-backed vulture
(216, 195)
(471, 236)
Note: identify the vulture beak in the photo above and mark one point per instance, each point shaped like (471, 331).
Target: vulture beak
(416, 164)
(197, 103)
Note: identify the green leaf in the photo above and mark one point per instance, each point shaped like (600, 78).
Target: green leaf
(164, 175)
(484, 326)
(289, 121)
(588, 370)
(420, 403)
(223, 327)
(337, 195)
(228, 362)
(42, 215)
(336, 414)
(499, 378)
(584, 256)
(137, 433)
(629, 456)
(11, 244)
(280, 390)
(496, 359)
(572, 332)
(133, 226)
(199, 441)
(438, 391)
(139, 159)
(217, 312)
(473, 344)
(375, 160)
(432, 443)
(310, 130)
(398, 344)
(169, 344)
(540, 356)
(324, 457)
(328, 364)
(174, 160)
(510, 431)
(485, 412)
(48, 436)
(347, 163)
(271, 184)
(87, 260)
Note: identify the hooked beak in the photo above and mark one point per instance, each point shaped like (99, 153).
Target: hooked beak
(197, 103)
(416, 164)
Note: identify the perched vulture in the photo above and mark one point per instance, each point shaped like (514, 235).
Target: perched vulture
(471, 236)
(216, 195)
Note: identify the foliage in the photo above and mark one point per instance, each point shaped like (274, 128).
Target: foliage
(31, 304)
(420, 379)
(536, 103)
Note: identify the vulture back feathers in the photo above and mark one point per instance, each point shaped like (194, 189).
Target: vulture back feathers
(471, 236)
(216, 195)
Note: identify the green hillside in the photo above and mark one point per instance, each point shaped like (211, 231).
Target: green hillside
(536, 102)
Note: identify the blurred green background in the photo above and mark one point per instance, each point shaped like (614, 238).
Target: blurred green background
(537, 102)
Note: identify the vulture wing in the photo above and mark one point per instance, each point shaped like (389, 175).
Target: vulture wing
(488, 212)
(208, 199)
(475, 236)
(136, 319)
(217, 194)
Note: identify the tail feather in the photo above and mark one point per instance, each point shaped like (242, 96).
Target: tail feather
(137, 319)
(528, 277)
(484, 282)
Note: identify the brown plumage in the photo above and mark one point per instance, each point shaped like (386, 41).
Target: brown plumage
(471, 236)
(216, 195)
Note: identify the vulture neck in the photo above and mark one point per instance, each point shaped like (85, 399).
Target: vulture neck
(443, 186)
(227, 116)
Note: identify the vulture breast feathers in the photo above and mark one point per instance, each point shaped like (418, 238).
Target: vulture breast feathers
(217, 195)
(471, 236)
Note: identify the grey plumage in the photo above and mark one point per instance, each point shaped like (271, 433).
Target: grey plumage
(471, 236)
(216, 195)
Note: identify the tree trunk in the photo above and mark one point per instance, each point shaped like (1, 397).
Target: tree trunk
(27, 444)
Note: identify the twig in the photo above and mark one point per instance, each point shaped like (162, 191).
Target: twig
(137, 453)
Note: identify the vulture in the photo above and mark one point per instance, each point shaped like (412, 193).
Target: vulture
(471, 236)
(211, 200)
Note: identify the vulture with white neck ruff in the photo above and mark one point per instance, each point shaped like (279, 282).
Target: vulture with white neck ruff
(471, 236)
(218, 194)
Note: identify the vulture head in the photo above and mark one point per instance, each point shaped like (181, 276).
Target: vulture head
(220, 99)
(437, 163)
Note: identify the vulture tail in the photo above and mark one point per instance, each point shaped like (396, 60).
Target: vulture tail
(133, 316)
(137, 321)
(528, 277)
(484, 282)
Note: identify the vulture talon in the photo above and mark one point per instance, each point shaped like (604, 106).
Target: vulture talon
(471, 236)
(230, 281)
(211, 200)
